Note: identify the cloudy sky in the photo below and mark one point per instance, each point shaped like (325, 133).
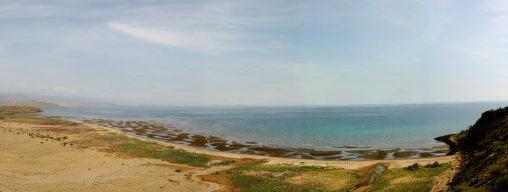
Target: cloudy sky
(229, 52)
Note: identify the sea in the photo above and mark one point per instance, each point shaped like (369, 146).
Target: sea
(402, 126)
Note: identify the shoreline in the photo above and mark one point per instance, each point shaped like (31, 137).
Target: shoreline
(167, 133)
(346, 164)
(34, 163)
(272, 154)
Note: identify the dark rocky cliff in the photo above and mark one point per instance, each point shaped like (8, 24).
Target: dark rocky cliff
(483, 148)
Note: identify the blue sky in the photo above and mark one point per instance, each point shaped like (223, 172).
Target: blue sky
(295, 52)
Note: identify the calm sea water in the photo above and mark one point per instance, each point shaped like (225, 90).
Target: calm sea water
(320, 127)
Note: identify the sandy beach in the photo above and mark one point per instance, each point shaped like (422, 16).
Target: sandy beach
(38, 164)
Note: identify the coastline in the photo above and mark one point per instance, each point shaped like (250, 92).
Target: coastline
(167, 133)
(336, 132)
(56, 166)
(346, 164)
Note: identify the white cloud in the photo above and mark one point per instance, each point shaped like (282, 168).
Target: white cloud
(209, 43)
(89, 42)
(213, 28)
(209, 27)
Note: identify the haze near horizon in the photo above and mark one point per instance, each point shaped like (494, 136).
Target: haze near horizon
(256, 52)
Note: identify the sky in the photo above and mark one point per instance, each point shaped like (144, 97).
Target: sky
(277, 52)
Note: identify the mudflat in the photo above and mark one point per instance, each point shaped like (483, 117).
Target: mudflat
(168, 133)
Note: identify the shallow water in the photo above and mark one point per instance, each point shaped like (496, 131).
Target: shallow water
(357, 132)
(379, 169)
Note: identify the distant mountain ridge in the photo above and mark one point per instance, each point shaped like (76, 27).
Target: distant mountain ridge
(37, 104)
(48, 103)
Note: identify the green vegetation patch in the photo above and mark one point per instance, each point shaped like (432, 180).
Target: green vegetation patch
(284, 177)
(413, 178)
(330, 181)
(283, 168)
(226, 162)
(260, 182)
(138, 148)
(280, 182)
(16, 116)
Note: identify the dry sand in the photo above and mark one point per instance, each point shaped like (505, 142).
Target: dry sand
(26, 164)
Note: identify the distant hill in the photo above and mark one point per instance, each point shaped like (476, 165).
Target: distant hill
(18, 109)
(49, 103)
(37, 104)
(484, 151)
(5, 100)
(81, 104)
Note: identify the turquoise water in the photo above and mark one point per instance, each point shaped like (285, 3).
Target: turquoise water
(378, 126)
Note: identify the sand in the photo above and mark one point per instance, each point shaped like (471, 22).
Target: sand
(33, 164)
(26, 164)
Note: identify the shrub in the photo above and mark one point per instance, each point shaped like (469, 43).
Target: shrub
(413, 167)
(479, 154)
(502, 182)
(226, 162)
(433, 165)
(495, 169)
(497, 145)
(461, 187)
